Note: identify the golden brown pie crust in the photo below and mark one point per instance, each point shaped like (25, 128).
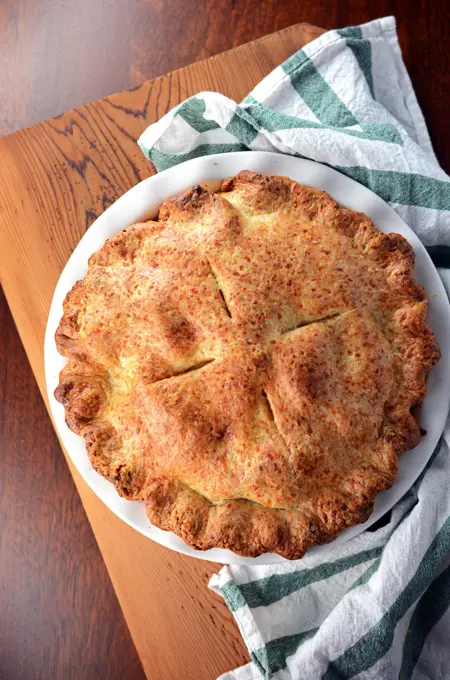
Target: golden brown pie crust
(247, 364)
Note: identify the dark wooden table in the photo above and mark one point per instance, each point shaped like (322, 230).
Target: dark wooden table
(56, 55)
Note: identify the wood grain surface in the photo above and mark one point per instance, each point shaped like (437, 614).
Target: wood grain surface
(51, 571)
(58, 614)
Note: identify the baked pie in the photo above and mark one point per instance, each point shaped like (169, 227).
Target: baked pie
(246, 364)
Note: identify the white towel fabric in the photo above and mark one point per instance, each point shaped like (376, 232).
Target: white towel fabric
(379, 607)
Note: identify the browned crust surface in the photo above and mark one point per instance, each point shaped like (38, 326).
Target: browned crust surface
(247, 364)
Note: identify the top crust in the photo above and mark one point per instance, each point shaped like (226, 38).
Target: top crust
(247, 364)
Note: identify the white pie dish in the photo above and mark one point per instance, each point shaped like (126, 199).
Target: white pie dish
(142, 202)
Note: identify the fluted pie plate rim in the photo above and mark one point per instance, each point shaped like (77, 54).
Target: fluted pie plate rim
(142, 202)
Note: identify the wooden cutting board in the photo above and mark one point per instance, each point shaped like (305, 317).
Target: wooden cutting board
(56, 178)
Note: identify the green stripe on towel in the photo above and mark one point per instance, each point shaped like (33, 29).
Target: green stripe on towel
(193, 111)
(402, 187)
(316, 93)
(367, 575)
(362, 51)
(272, 657)
(273, 121)
(268, 590)
(431, 608)
(167, 160)
(243, 127)
(376, 643)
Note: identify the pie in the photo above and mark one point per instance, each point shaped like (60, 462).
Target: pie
(246, 364)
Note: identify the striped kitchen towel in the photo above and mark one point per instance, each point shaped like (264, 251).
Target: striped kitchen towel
(378, 608)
